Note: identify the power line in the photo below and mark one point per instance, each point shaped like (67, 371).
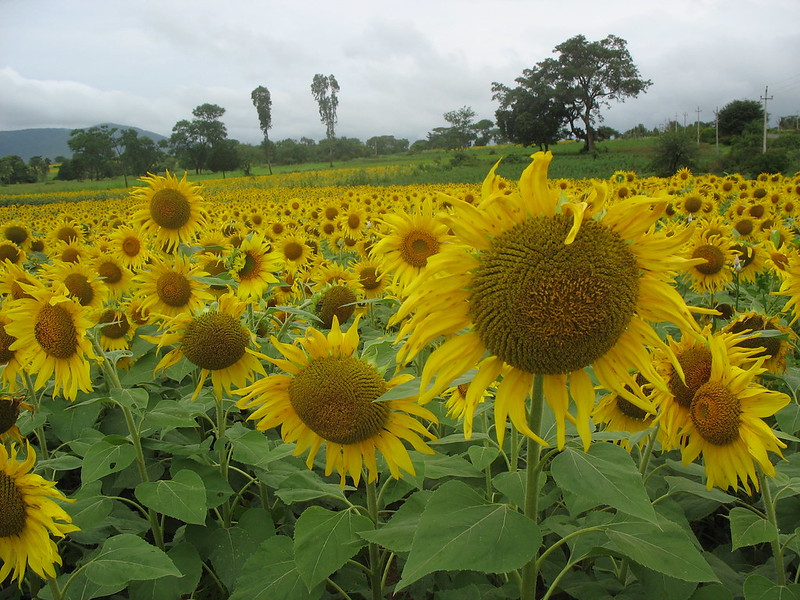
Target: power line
(765, 98)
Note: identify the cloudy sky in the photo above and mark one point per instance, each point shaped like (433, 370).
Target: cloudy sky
(400, 65)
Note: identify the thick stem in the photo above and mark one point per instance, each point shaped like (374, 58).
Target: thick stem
(375, 576)
(530, 572)
(769, 508)
(224, 459)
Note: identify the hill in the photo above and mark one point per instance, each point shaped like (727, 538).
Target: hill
(49, 142)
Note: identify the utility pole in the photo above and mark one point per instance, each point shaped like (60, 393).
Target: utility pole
(716, 128)
(698, 125)
(765, 98)
(684, 119)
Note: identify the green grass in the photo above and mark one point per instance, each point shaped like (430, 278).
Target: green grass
(428, 167)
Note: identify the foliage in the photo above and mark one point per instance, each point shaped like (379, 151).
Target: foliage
(585, 77)
(262, 100)
(14, 170)
(192, 141)
(674, 150)
(530, 114)
(94, 150)
(735, 116)
(326, 93)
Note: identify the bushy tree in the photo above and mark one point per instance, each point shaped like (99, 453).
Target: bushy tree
(387, 144)
(14, 170)
(585, 77)
(674, 150)
(95, 149)
(530, 114)
(735, 116)
(192, 141)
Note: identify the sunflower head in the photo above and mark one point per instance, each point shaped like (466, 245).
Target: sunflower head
(336, 301)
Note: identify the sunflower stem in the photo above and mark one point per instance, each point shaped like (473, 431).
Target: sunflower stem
(769, 508)
(55, 591)
(374, 553)
(39, 429)
(223, 457)
(533, 471)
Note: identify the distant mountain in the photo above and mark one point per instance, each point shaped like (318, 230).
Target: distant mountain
(50, 142)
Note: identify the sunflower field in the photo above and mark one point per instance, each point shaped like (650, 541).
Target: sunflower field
(534, 388)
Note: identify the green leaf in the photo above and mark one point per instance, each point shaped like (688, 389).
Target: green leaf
(271, 573)
(748, 528)
(712, 591)
(65, 462)
(437, 466)
(182, 497)
(110, 455)
(128, 557)
(188, 561)
(459, 531)
(306, 485)
(231, 547)
(788, 418)
(135, 399)
(253, 448)
(512, 484)
(665, 548)
(758, 587)
(68, 420)
(606, 474)
(324, 540)
(398, 533)
(688, 486)
(482, 456)
(168, 415)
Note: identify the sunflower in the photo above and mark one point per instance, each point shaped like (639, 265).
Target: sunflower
(9, 413)
(82, 282)
(335, 301)
(116, 277)
(549, 289)
(619, 414)
(170, 287)
(295, 251)
(215, 340)
(327, 396)
(409, 241)
(17, 232)
(173, 210)
(11, 276)
(50, 330)
(726, 424)
(129, 247)
(28, 515)
(714, 272)
(11, 252)
(372, 282)
(66, 229)
(773, 348)
(686, 366)
(254, 266)
(8, 357)
(115, 330)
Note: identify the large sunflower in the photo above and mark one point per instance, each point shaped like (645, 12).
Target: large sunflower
(129, 247)
(173, 210)
(327, 396)
(50, 330)
(171, 287)
(409, 241)
(548, 289)
(216, 341)
(28, 515)
(726, 424)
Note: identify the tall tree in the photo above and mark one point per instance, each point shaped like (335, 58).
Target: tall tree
(325, 91)
(262, 100)
(462, 126)
(529, 114)
(734, 117)
(586, 77)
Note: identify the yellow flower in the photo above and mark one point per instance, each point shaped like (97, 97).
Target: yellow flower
(216, 341)
(51, 338)
(549, 289)
(726, 424)
(28, 515)
(254, 267)
(129, 247)
(327, 396)
(170, 287)
(172, 211)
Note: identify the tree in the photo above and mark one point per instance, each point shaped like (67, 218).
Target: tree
(192, 141)
(140, 154)
(325, 90)
(387, 144)
(224, 156)
(485, 132)
(674, 150)
(262, 100)
(529, 114)
(14, 170)
(40, 167)
(735, 116)
(94, 149)
(585, 77)
(461, 122)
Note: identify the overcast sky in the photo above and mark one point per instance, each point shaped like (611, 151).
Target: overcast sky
(400, 65)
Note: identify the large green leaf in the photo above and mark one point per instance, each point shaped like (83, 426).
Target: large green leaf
(271, 573)
(605, 474)
(230, 547)
(182, 497)
(758, 587)
(748, 528)
(109, 455)
(324, 540)
(458, 530)
(69, 419)
(665, 548)
(307, 485)
(188, 561)
(398, 533)
(128, 557)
